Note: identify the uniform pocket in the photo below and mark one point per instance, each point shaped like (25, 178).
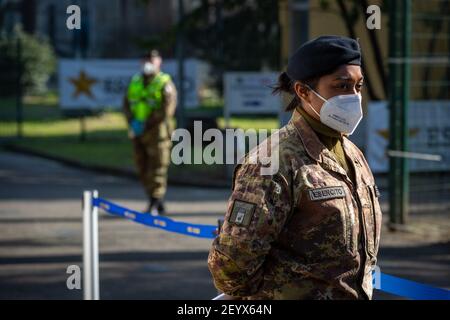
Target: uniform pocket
(321, 228)
(376, 215)
(348, 227)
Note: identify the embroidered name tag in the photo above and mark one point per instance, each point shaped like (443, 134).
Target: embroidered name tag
(326, 193)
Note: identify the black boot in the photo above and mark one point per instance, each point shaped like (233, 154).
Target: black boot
(151, 205)
(161, 208)
(156, 207)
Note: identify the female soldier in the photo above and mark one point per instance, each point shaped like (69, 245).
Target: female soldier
(312, 229)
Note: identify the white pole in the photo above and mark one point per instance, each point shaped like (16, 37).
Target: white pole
(414, 155)
(90, 247)
(95, 266)
(87, 246)
(224, 296)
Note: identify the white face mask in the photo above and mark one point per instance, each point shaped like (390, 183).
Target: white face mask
(148, 68)
(341, 113)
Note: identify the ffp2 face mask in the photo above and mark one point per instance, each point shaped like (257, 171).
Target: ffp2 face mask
(148, 68)
(341, 113)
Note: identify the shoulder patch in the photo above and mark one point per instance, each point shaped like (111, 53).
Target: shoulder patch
(277, 187)
(168, 88)
(242, 213)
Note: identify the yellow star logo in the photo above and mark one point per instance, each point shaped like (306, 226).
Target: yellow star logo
(83, 85)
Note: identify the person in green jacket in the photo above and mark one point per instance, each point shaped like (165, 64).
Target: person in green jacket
(149, 107)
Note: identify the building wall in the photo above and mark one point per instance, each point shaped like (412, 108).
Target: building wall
(428, 80)
(113, 26)
(329, 21)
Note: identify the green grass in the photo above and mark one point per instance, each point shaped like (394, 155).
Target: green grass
(114, 153)
(35, 108)
(108, 123)
(250, 123)
(46, 130)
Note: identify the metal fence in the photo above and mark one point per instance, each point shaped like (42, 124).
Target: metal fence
(420, 68)
(11, 111)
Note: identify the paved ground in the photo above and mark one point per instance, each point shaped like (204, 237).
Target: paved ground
(40, 236)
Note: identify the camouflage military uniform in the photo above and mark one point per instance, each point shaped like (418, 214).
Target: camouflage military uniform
(152, 149)
(306, 232)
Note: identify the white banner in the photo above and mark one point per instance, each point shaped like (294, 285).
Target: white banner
(429, 136)
(95, 84)
(250, 93)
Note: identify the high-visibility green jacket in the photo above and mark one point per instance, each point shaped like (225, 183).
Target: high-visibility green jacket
(145, 99)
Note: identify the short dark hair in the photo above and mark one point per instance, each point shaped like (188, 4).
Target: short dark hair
(151, 54)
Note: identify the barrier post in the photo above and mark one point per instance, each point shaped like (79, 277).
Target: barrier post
(90, 247)
(95, 254)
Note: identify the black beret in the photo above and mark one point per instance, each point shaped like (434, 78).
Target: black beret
(323, 55)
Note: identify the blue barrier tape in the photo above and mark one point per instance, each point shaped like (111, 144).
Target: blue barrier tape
(390, 284)
(194, 230)
(410, 289)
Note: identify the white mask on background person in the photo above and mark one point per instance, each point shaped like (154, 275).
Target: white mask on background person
(148, 68)
(341, 113)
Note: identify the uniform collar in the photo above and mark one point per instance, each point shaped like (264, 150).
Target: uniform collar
(309, 138)
(318, 126)
(149, 78)
(313, 146)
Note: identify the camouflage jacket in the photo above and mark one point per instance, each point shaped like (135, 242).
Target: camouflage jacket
(305, 232)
